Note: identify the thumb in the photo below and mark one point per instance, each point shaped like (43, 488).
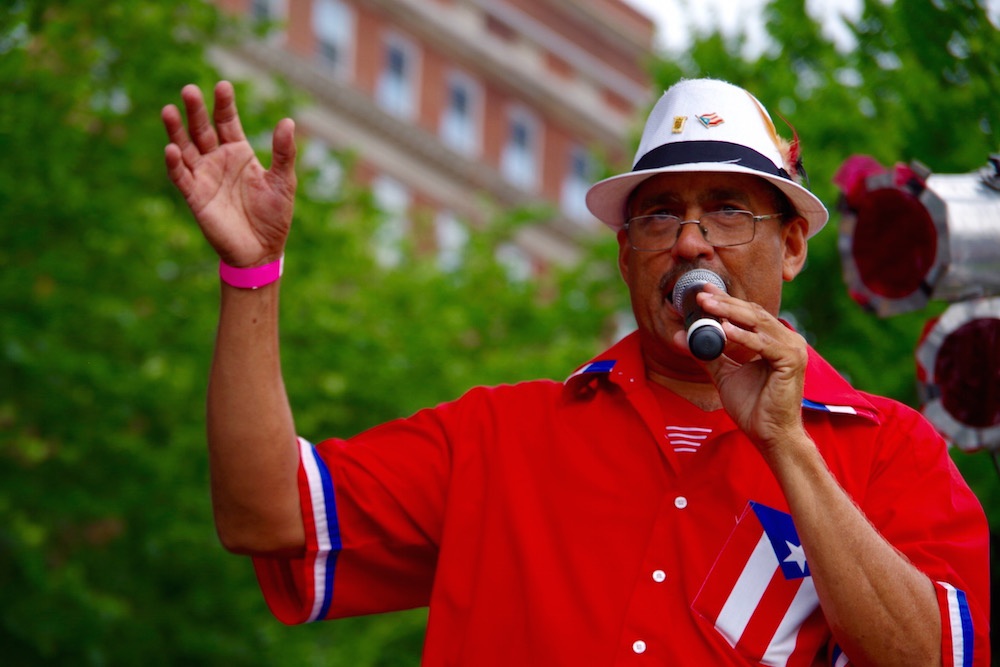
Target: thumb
(283, 151)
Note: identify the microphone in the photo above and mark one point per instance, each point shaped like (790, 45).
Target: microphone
(705, 336)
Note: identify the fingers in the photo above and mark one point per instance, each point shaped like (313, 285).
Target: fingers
(178, 135)
(199, 125)
(204, 134)
(201, 135)
(227, 118)
(743, 314)
(174, 126)
(177, 170)
(752, 327)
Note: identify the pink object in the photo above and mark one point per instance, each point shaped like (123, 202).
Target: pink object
(251, 278)
(851, 175)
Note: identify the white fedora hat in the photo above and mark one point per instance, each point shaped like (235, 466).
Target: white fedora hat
(710, 126)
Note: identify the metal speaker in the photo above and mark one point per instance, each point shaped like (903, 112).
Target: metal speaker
(958, 373)
(908, 236)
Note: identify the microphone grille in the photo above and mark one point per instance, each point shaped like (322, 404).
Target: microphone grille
(694, 278)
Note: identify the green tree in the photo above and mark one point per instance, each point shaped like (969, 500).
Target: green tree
(109, 294)
(107, 549)
(106, 546)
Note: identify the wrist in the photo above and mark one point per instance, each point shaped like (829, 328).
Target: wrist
(252, 277)
(794, 454)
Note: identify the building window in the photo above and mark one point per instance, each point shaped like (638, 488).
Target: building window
(461, 119)
(515, 262)
(519, 159)
(396, 90)
(452, 238)
(577, 180)
(262, 11)
(324, 174)
(393, 200)
(333, 24)
(271, 14)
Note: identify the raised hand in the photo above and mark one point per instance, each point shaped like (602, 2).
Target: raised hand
(244, 210)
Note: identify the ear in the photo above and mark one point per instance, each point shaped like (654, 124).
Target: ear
(794, 235)
(624, 252)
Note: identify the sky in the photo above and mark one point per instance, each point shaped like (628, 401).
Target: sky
(673, 18)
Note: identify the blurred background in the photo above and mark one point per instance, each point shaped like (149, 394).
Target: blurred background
(440, 241)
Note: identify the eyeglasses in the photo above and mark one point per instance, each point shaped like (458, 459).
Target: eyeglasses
(721, 229)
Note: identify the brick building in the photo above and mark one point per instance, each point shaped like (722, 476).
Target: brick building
(458, 107)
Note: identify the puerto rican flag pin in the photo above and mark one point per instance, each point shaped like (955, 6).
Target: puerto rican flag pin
(710, 119)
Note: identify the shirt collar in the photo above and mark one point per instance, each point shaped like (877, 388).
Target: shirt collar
(825, 389)
(620, 365)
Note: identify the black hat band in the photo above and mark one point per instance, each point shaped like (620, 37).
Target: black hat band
(691, 152)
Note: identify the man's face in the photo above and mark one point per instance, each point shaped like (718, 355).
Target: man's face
(753, 272)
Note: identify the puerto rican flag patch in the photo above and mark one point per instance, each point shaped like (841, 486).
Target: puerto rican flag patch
(759, 592)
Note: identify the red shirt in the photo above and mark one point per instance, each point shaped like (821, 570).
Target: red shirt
(602, 522)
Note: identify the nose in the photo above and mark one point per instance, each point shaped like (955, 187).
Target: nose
(691, 243)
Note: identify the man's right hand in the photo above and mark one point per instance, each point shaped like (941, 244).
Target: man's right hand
(243, 210)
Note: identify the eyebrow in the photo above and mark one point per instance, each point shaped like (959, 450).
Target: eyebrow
(670, 197)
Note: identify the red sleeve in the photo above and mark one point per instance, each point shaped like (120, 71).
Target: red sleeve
(921, 504)
(299, 589)
(959, 636)
(372, 508)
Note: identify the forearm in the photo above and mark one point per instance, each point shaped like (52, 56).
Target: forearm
(882, 610)
(251, 433)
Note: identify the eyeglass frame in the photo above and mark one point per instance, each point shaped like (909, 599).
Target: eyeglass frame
(754, 219)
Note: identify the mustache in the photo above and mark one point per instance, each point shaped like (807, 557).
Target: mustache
(670, 278)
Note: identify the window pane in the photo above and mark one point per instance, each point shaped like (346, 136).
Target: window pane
(395, 90)
(270, 13)
(267, 10)
(459, 127)
(515, 261)
(452, 238)
(519, 160)
(576, 182)
(333, 24)
(393, 200)
(323, 172)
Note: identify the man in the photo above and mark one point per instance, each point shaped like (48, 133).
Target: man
(652, 509)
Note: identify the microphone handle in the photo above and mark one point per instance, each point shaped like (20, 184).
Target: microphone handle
(705, 336)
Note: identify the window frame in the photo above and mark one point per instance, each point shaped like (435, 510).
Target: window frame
(522, 166)
(399, 96)
(464, 135)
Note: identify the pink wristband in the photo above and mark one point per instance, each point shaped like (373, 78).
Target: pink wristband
(251, 278)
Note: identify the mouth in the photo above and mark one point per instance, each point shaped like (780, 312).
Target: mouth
(667, 283)
(668, 304)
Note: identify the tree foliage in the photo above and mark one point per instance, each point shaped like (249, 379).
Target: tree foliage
(107, 549)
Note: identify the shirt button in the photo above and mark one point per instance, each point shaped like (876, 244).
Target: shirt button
(639, 646)
(680, 502)
(659, 576)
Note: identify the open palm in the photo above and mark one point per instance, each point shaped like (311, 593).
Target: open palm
(244, 210)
